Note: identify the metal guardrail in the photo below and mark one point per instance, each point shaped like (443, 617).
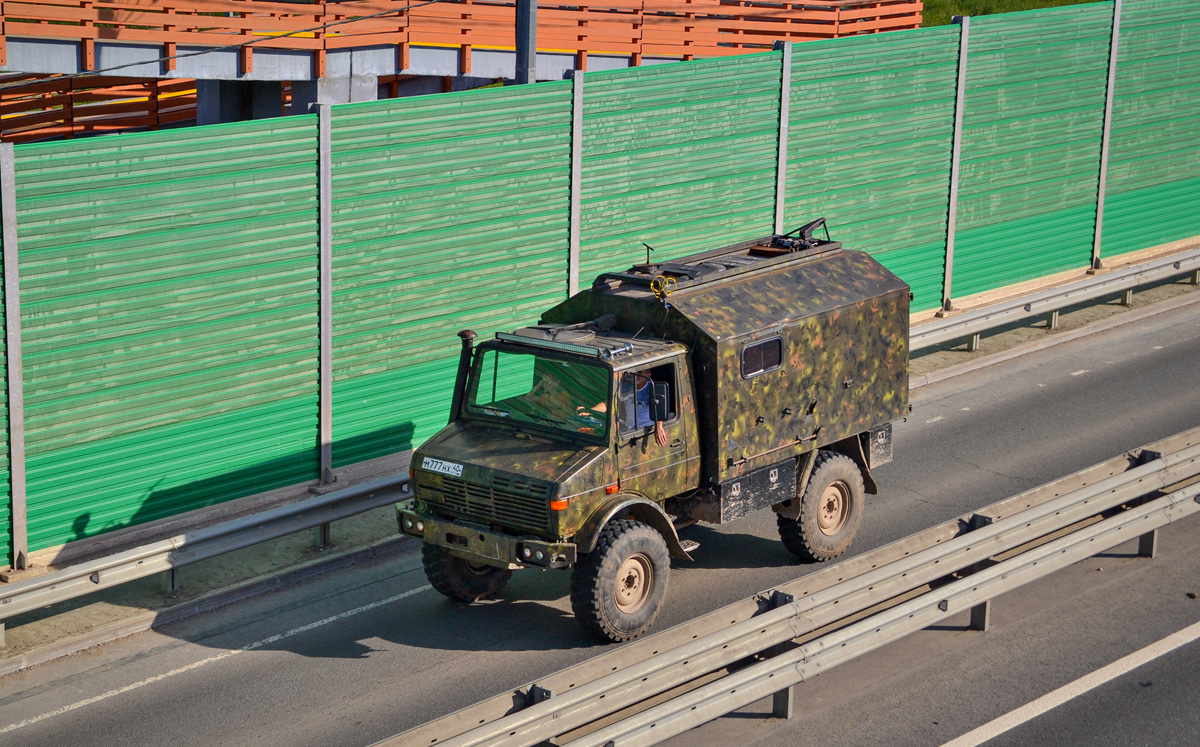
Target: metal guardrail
(167, 554)
(980, 320)
(676, 680)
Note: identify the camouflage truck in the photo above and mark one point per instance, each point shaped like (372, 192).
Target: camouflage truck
(761, 375)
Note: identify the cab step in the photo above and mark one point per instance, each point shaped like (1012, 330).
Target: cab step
(689, 545)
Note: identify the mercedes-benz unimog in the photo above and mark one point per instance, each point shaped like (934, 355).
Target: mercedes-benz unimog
(761, 375)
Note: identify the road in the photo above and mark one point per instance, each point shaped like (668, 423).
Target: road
(362, 654)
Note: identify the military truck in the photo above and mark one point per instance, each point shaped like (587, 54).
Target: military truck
(761, 375)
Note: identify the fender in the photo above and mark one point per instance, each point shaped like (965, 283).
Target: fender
(852, 447)
(634, 507)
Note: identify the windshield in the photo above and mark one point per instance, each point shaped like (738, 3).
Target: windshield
(523, 387)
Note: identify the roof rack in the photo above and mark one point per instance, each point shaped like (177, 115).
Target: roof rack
(725, 262)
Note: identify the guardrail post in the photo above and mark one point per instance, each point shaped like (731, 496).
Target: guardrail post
(1052, 320)
(981, 616)
(1148, 545)
(785, 99)
(1105, 134)
(576, 216)
(1127, 297)
(964, 23)
(169, 581)
(12, 336)
(781, 700)
(973, 343)
(325, 280)
(1195, 277)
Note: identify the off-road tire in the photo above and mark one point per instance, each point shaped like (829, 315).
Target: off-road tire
(461, 580)
(633, 556)
(834, 497)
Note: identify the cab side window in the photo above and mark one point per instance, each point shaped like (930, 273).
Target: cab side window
(636, 394)
(762, 357)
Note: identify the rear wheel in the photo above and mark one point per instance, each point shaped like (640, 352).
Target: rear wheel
(831, 509)
(618, 588)
(460, 579)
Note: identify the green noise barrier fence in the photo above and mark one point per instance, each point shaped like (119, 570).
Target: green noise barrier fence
(198, 315)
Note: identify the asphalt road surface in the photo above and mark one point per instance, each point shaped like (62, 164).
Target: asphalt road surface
(365, 653)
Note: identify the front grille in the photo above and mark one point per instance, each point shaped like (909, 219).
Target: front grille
(508, 501)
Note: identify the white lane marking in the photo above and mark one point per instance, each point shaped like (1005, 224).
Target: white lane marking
(196, 665)
(1157, 347)
(1032, 710)
(1080, 372)
(934, 420)
(964, 409)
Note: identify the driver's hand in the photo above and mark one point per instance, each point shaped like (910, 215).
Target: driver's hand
(660, 433)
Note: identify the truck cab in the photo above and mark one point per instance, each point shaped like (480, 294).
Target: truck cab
(763, 375)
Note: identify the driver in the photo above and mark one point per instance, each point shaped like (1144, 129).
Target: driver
(636, 394)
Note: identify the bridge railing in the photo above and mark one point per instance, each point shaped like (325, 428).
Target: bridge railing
(669, 28)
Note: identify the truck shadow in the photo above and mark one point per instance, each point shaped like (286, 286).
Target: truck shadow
(734, 550)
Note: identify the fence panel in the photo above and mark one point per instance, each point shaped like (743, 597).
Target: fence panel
(869, 136)
(1153, 193)
(449, 211)
(1032, 125)
(680, 156)
(169, 320)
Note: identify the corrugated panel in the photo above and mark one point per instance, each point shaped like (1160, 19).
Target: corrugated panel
(679, 156)
(1153, 193)
(450, 211)
(869, 136)
(169, 319)
(1032, 124)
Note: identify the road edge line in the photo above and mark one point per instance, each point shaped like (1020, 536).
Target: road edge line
(1036, 346)
(213, 600)
(1072, 690)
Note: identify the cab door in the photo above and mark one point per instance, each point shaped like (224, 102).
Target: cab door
(657, 471)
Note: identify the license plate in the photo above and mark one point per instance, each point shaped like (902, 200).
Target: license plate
(446, 468)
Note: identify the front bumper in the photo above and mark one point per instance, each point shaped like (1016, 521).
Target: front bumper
(482, 545)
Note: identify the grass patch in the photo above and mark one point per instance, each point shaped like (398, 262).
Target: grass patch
(939, 12)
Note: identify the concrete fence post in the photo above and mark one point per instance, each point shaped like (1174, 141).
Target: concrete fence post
(964, 23)
(576, 215)
(785, 98)
(12, 335)
(1105, 135)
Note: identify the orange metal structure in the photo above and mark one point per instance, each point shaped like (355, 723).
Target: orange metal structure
(39, 107)
(658, 28)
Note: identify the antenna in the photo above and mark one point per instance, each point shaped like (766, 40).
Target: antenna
(648, 250)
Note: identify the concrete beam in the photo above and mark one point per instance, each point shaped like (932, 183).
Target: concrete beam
(305, 93)
(61, 56)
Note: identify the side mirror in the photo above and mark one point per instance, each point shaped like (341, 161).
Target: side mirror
(660, 405)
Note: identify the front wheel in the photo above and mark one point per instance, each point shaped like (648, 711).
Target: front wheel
(460, 579)
(830, 510)
(618, 588)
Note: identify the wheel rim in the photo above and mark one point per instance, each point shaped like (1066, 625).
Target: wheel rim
(635, 578)
(835, 508)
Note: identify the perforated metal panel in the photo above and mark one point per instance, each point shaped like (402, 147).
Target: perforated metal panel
(168, 312)
(1033, 117)
(1153, 194)
(869, 139)
(681, 157)
(450, 211)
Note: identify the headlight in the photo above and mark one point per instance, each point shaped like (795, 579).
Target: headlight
(526, 553)
(408, 523)
(420, 526)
